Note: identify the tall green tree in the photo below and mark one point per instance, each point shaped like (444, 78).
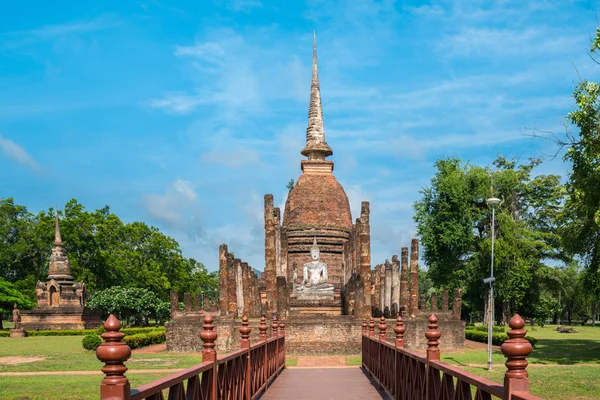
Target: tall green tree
(103, 251)
(581, 231)
(453, 222)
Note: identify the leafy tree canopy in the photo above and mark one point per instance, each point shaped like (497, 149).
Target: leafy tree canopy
(103, 251)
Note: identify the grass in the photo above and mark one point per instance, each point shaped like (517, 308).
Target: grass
(64, 353)
(291, 361)
(52, 387)
(562, 363)
(353, 361)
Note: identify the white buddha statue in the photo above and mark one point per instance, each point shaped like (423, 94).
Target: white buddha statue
(314, 273)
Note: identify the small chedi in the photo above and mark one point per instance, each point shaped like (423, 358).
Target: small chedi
(317, 273)
(60, 300)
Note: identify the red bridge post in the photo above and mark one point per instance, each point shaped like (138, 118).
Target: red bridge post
(516, 349)
(245, 344)
(282, 334)
(433, 354)
(113, 353)
(262, 328)
(208, 336)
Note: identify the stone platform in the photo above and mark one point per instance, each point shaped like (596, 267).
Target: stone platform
(64, 317)
(314, 335)
(17, 333)
(315, 307)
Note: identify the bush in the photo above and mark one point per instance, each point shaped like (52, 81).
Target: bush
(4, 333)
(497, 338)
(481, 328)
(145, 339)
(91, 342)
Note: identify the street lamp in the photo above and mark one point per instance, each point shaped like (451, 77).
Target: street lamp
(493, 201)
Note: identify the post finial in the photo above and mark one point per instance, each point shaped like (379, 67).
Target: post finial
(274, 326)
(113, 353)
(245, 332)
(433, 334)
(364, 326)
(382, 328)
(516, 349)
(399, 330)
(208, 336)
(262, 328)
(282, 327)
(371, 327)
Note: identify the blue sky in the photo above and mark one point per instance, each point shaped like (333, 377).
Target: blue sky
(184, 116)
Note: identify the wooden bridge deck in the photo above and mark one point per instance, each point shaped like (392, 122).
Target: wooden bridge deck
(323, 384)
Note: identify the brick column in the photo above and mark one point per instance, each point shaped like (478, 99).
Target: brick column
(365, 260)
(239, 287)
(187, 301)
(270, 255)
(444, 300)
(174, 300)
(456, 303)
(388, 287)
(404, 296)
(381, 272)
(231, 284)
(395, 286)
(414, 277)
(246, 288)
(223, 278)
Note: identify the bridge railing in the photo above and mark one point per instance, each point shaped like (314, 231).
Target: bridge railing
(404, 374)
(243, 374)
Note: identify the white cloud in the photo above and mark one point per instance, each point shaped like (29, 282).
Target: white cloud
(17, 153)
(175, 207)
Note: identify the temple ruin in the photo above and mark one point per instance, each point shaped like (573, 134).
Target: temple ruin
(317, 272)
(60, 300)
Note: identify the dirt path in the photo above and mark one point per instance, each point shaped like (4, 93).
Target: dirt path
(157, 348)
(321, 361)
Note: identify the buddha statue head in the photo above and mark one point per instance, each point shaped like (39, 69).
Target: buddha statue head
(315, 253)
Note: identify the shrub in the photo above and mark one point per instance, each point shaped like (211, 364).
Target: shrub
(4, 333)
(145, 339)
(91, 342)
(497, 338)
(481, 328)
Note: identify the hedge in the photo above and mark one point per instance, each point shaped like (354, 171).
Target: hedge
(145, 339)
(497, 338)
(84, 332)
(482, 328)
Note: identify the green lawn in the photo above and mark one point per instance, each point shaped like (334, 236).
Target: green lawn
(563, 365)
(52, 387)
(64, 353)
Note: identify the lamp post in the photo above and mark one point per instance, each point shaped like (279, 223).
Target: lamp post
(493, 201)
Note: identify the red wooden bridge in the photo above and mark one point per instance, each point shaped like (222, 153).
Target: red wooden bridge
(257, 370)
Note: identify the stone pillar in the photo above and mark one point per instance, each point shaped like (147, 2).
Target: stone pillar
(414, 277)
(283, 296)
(444, 300)
(231, 284)
(404, 295)
(434, 303)
(388, 287)
(423, 303)
(270, 255)
(277, 226)
(187, 301)
(174, 300)
(381, 272)
(239, 288)
(245, 288)
(395, 286)
(223, 278)
(197, 302)
(365, 261)
(375, 291)
(456, 303)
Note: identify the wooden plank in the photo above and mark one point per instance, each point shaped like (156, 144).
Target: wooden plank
(323, 383)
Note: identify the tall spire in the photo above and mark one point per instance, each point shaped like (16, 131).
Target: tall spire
(57, 238)
(316, 146)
